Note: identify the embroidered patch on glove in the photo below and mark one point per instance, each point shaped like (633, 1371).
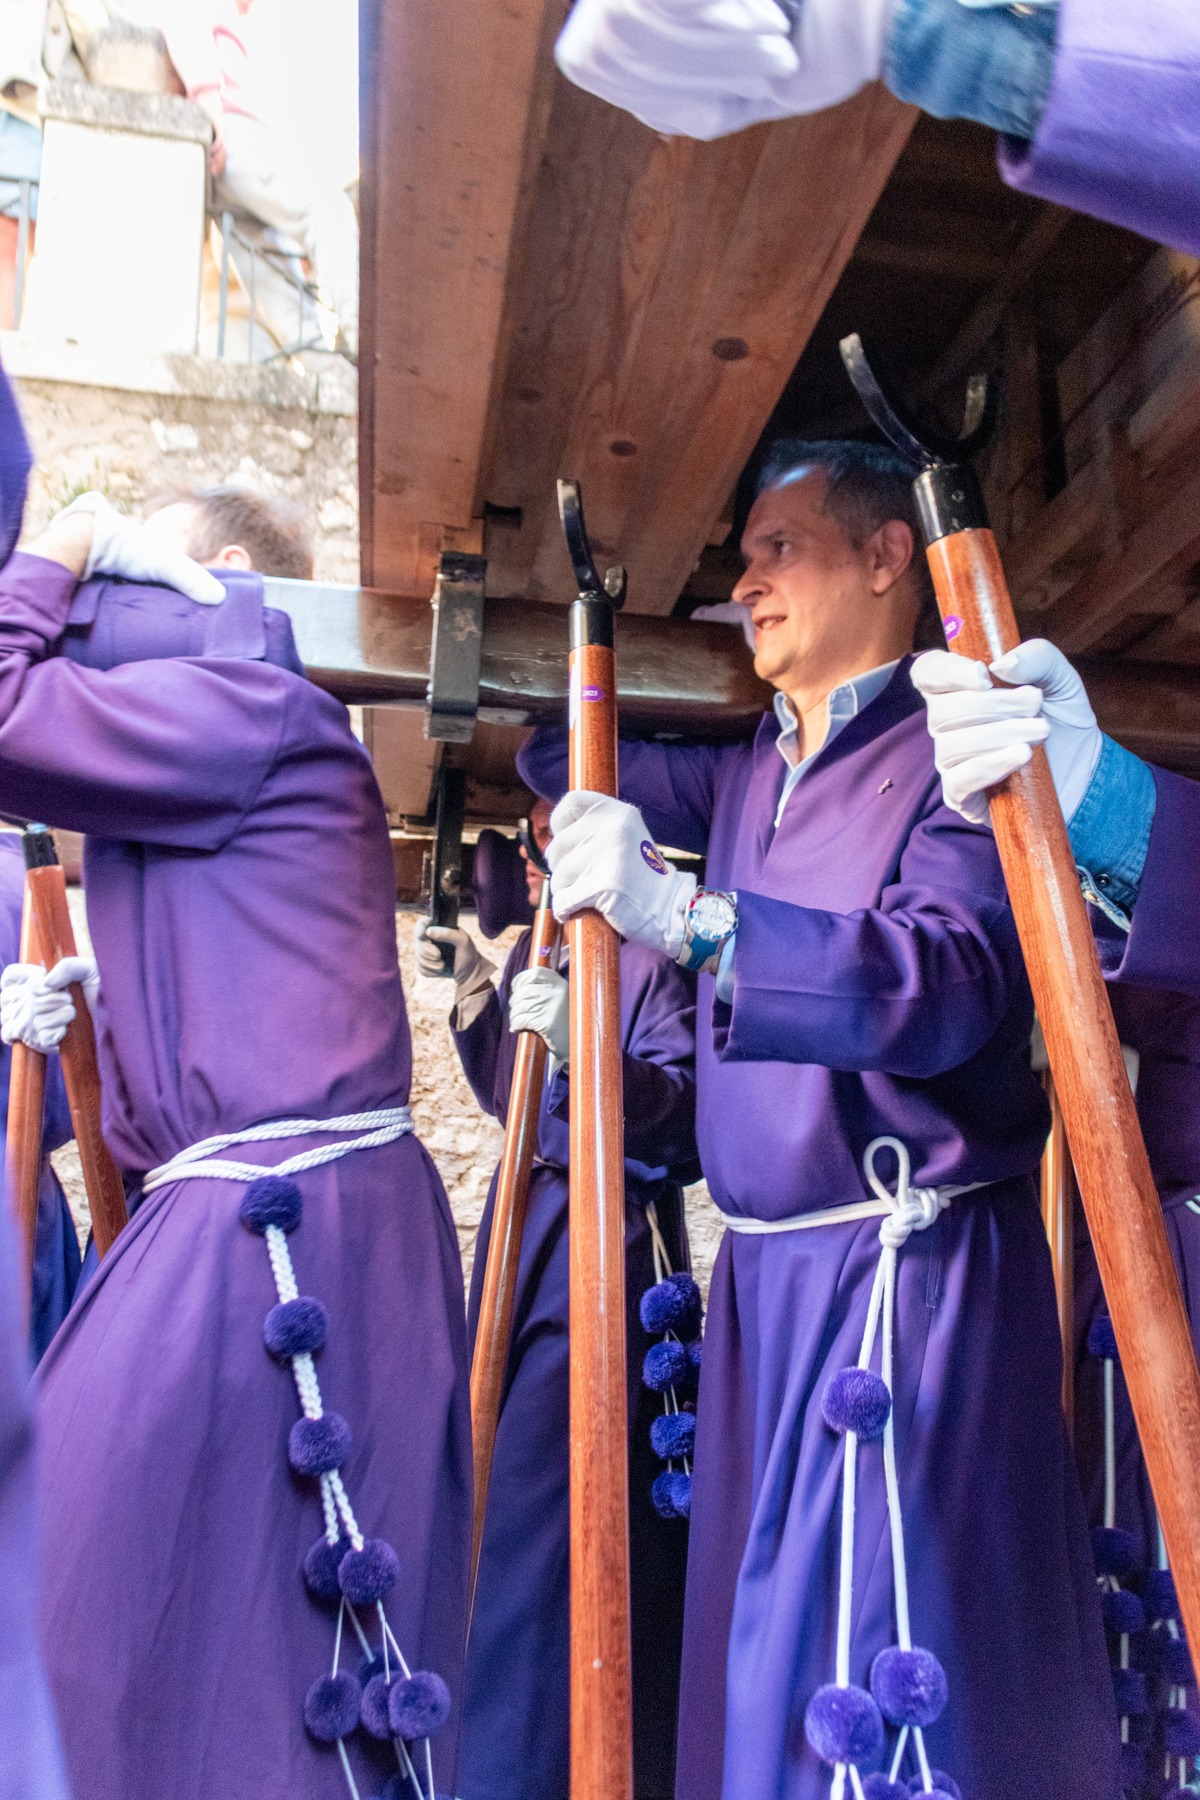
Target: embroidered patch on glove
(651, 858)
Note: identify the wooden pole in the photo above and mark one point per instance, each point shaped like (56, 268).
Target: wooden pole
(490, 1361)
(1115, 1184)
(26, 1108)
(46, 888)
(601, 1679)
(1058, 1216)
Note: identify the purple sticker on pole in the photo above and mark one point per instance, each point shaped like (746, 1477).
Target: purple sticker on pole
(593, 693)
(951, 625)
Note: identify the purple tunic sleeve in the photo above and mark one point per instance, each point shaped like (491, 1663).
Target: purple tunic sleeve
(1120, 135)
(673, 784)
(15, 463)
(1161, 948)
(912, 987)
(479, 1048)
(170, 752)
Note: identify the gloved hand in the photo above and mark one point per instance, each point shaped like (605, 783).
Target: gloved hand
(540, 1001)
(703, 68)
(981, 733)
(601, 855)
(121, 546)
(35, 1007)
(471, 971)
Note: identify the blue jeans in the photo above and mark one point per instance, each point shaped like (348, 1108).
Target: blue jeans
(985, 60)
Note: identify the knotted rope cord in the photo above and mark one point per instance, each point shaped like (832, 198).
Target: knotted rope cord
(909, 1209)
(382, 1126)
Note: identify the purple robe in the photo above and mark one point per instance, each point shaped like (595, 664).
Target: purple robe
(1161, 949)
(56, 1247)
(516, 1705)
(1165, 1031)
(1120, 134)
(241, 901)
(878, 988)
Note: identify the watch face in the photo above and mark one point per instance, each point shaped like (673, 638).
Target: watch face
(712, 915)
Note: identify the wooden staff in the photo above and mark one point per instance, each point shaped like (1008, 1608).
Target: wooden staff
(601, 1682)
(492, 1338)
(26, 1109)
(46, 889)
(1058, 1216)
(1118, 1193)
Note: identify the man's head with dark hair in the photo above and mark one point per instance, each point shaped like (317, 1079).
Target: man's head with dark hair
(835, 580)
(232, 528)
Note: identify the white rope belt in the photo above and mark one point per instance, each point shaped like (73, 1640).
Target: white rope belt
(912, 1209)
(360, 1131)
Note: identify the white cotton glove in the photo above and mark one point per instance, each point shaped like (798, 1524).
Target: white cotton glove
(35, 1006)
(121, 546)
(982, 734)
(601, 855)
(540, 1001)
(703, 68)
(472, 972)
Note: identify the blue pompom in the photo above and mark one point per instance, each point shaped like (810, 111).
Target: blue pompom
(665, 1364)
(375, 1706)
(271, 1200)
(321, 1568)
(368, 1574)
(1181, 1734)
(673, 1434)
(1115, 1550)
(1179, 1794)
(878, 1787)
(695, 1351)
(1159, 1596)
(1129, 1692)
(909, 1686)
(942, 1784)
(857, 1400)
(419, 1705)
(332, 1706)
(1123, 1612)
(317, 1445)
(295, 1327)
(672, 1305)
(1102, 1339)
(1175, 1662)
(671, 1494)
(844, 1725)
(370, 1667)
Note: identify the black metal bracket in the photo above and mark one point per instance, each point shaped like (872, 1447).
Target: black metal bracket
(946, 488)
(446, 859)
(610, 589)
(456, 652)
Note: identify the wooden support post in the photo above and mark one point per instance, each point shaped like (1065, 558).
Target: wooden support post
(1058, 1216)
(601, 1677)
(47, 889)
(1115, 1184)
(492, 1338)
(26, 1107)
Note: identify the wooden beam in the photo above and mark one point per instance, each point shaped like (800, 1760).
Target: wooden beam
(455, 97)
(666, 291)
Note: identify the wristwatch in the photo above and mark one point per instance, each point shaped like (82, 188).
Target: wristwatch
(708, 923)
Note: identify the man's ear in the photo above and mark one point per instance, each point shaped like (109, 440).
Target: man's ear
(232, 556)
(891, 552)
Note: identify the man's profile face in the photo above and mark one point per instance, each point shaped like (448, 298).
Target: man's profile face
(539, 826)
(810, 593)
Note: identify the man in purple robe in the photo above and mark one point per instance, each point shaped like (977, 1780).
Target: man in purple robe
(56, 1257)
(254, 1437)
(868, 983)
(31, 1764)
(516, 1696)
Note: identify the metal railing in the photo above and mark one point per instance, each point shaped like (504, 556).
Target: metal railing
(249, 258)
(18, 205)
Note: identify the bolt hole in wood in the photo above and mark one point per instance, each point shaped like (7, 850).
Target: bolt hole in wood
(731, 349)
(623, 447)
